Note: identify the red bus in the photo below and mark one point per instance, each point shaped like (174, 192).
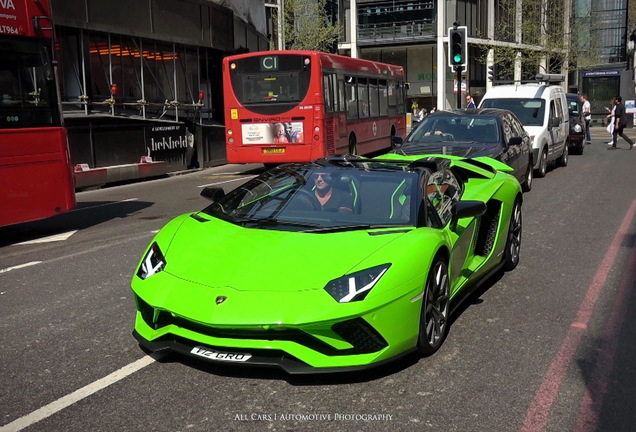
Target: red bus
(297, 106)
(36, 175)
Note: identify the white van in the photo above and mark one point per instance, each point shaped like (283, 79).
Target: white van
(543, 110)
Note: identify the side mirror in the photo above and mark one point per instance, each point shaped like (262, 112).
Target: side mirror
(212, 193)
(397, 141)
(517, 140)
(468, 208)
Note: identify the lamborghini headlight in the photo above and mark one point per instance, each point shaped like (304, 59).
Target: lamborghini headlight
(153, 263)
(355, 286)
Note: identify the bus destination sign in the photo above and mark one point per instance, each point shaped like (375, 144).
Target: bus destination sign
(269, 63)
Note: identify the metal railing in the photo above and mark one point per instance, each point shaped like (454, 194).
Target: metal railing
(396, 31)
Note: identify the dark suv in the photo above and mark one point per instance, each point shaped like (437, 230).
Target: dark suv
(576, 137)
(491, 132)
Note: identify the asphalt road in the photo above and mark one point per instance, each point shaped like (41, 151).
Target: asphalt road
(547, 347)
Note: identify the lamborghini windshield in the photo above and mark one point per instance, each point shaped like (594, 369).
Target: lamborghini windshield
(313, 197)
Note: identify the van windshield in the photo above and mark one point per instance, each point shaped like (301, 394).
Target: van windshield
(529, 111)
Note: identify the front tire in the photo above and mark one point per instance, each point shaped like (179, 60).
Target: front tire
(435, 309)
(513, 243)
(543, 164)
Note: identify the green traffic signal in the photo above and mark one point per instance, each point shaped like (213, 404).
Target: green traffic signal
(456, 43)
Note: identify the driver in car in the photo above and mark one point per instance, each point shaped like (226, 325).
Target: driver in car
(330, 198)
(441, 128)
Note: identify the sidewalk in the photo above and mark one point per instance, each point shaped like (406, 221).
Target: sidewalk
(600, 133)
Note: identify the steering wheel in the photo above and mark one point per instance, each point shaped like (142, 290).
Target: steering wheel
(307, 199)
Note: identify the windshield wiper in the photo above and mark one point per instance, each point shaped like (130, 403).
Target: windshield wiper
(344, 228)
(274, 221)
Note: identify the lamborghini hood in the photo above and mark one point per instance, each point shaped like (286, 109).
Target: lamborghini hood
(216, 253)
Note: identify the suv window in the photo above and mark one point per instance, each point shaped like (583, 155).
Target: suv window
(529, 111)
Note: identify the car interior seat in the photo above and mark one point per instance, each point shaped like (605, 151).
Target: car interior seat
(350, 184)
(401, 202)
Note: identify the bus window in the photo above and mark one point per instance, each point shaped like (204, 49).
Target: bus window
(363, 98)
(326, 90)
(384, 100)
(341, 96)
(392, 93)
(352, 101)
(334, 91)
(374, 103)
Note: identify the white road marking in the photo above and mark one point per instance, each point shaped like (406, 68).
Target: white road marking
(8, 269)
(227, 181)
(102, 205)
(76, 396)
(53, 238)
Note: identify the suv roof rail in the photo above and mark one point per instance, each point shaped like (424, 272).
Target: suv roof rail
(550, 78)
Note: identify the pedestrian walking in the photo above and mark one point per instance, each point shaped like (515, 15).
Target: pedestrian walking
(620, 121)
(610, 120)
(587, 117)
(470, 102)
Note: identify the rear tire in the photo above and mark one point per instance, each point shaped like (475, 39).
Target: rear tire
(563, 160)
(353, 145)
(526, 186)
(435, 309)
(513, 243)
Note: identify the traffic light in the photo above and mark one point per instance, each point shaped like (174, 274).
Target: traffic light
(492, 73)
(457, 47)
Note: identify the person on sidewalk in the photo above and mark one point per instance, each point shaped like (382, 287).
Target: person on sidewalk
(620, 119)
(587, 117)
(470, 102)
(610, 120)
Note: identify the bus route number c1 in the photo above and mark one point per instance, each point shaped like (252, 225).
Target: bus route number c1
(269, 63)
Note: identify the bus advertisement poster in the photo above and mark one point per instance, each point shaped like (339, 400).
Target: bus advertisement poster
(273, 133)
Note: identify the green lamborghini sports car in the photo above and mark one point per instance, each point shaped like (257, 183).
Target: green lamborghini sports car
(339, 264)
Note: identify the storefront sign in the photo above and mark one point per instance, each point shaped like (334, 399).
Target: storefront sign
(601, 73)
(169, 137)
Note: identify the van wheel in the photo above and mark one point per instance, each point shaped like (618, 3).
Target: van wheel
(563, 160)
(543, 163)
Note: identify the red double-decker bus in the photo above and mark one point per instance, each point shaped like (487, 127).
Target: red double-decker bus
(296, 106)
(36, 175)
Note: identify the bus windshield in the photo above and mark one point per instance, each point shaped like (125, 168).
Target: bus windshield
(266, 80)
(26, 85)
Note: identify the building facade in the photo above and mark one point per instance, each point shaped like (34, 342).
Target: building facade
(142, 79)
(613, 73)
(414, 34)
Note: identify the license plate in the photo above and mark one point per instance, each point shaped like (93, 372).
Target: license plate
(220, 355)
(274, 150)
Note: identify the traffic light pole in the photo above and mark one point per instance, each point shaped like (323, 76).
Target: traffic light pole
(458, 71)
(457, 55)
